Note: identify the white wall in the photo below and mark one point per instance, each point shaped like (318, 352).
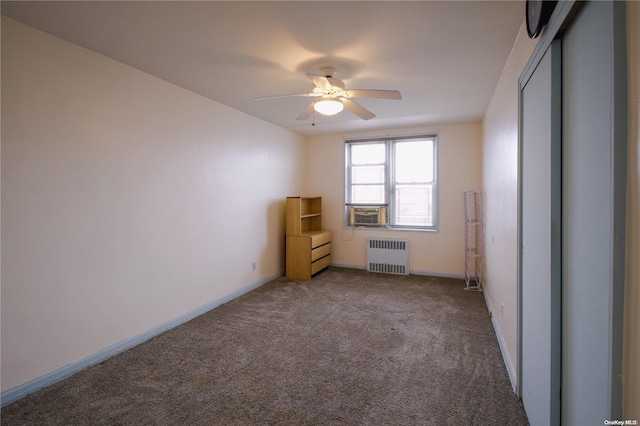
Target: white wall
(126, 202)
(459, 170)
(500, 179)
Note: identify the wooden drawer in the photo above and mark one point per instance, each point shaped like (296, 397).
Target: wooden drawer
(321, 251)
(320, 264)
(320, 238)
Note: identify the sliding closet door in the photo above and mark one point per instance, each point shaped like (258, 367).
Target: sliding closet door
(540, 238)
(593, 191)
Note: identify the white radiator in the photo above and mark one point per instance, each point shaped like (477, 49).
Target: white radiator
(388, 256)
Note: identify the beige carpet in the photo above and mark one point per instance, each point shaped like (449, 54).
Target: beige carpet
(347, 348)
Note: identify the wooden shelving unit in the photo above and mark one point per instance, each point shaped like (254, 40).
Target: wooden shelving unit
(308, 247)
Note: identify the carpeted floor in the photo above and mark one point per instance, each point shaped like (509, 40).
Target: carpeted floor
(347, 348)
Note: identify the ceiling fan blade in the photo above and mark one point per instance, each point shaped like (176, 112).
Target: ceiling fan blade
(358, 110)
(369, 93)
(320, 81)
(334, 82)
(284, 96)
(307, 112)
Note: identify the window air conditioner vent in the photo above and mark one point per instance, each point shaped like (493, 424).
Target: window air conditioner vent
(367, 216)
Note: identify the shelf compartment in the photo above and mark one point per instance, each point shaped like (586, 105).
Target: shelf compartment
(308, 247)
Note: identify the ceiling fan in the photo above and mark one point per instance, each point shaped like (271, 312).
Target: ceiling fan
(332, 96)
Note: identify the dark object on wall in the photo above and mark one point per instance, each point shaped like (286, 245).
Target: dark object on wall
(538, 14)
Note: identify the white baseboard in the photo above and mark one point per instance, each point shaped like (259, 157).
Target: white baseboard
(436, 274)
(344, 265)
(503, 348)
(412, 271)
(20, 391)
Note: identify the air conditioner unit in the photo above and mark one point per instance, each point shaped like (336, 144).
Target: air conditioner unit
(367, 216)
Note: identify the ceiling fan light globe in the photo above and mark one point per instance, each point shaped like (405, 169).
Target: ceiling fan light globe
(328, 106)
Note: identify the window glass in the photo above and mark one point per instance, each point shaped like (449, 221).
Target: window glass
(368, 174)
(368, 153)
(414, 161)
(368, 194)
(414, 206)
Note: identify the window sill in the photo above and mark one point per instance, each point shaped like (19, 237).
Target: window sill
(388, 228)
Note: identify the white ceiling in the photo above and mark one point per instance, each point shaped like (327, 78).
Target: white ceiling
(444, 57)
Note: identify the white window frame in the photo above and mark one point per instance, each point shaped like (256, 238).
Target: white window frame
(389, 184)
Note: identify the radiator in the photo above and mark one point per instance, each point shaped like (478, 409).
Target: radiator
(388, 256)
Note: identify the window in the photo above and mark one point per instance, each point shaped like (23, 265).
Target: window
(398, 174)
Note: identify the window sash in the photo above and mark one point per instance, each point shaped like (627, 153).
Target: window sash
(353, 186)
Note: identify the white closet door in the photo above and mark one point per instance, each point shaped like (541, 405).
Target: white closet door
(593, 160)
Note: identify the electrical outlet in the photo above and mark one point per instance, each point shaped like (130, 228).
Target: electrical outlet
(502, 310)
(253, 266)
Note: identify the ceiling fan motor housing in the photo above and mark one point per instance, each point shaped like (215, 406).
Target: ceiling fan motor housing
(328, 71)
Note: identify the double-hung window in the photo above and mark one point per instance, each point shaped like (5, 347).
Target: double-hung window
(397, 174)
